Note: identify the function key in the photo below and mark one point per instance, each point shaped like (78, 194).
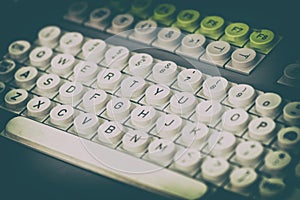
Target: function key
(100, 17)
(19, 49)
(189, 80)
(268, 104)
(215, 87)
(164, 14)
(121, 23)
(62, 64)
(261, 128)
(116, 57)
(71, 42)
(187, 20)
(140, 64)
(243, 58)
(215, 169)
(243, 178)
(38, 107)
(262, 39)
(164, 71)
(40, 56)
(289, 138)
(212, 26)
(241, 95)
(62, 115)
(141, 8)
(168, 39)
(271, 187)
(7, 68)
(49, 35)
(86, 124)
(291, 112)
(16, 98)
(237, 33)
(144, 31)
(93, 50)
(26, 76)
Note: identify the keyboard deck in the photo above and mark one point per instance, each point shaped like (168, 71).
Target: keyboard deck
(163, 103)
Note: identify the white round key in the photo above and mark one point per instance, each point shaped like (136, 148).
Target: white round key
(38, 107)
(187, 160)
(268, 104)
(100, 16)
(16, 98)
(122, 22)
(85, 71)
(135, 141)
(71, 92)
(164, 72)
(48, 36)
(169, 36)
(19, 49)
(93, 50)
(132, 87)
(86, 124)
(143, 116)
(110, 132)
(289, 138)
(261, 128)
(192, 43)
(94, 100)
(183, 103)
(209, 111)
(168, 125)
(61, 115)
(221, 143)
(271, 188)
(161, 150)
(277, 161)
(140, 64)
(40, 56)
(62, 64)
(109, 79)
(48, 83)
(235, 120)
(157, 94)
(118, 108)
(243, 178)
(218, 50)
(26, 76)
(243, 58)
(241, 95)
(215, 87)
(71, 42)
(249, 152)
(145, 29)
(194, 135)
(214, 169)
(116, 57)
(291, 113)
(189, 80)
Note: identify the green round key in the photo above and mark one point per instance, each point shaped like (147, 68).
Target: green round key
(261, 38)
(139, 7)
(237, 31)
(164, 12)
(187, 18)
(212, 24)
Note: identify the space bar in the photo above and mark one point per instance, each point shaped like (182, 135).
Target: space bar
(103, 160)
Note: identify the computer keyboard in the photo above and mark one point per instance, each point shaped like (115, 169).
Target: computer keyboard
(147, 94)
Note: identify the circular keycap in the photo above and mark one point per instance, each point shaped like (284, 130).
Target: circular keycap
(164, 12)
(110, 132)
(187, 18)
(291, 113)
(62, 64)
(215, 169)
(48, 36)
(218, 50)
(132, 86)
(168, 125)
(261, 38)
(221, 143)
(261, 128)
(268, 104)
(193, 43)
(215, 87)
(94, 49)
(71, 42)
(141, 8)
(243, 57)
(271, 188)
(108, 79)
(183, 103)
(289, 138)
(164, 71)
(16, 98)
(140, 64)
(277, 161)
(71, 92)
(122, 22)
(145, 29)
(235, 120)
(77, 9)
(157, 94)
(48, 83)
(40, 56)
(193, 135)
(161, 150)
(26, 76)
(135, 141)
(189, 80)
(7, 67)
(212, 24)
(86, 124)
(241, 95)
(116, 57)
(292, 73)
(143, 116)
(169, 36)
(118, 108)
(243, 178)
(209, 111)
(237, 31)
(38, 107)
(85, 71)
(249, 152)
(61, 115)
(187, 160)
(94, 100)
(100, 15)
(19, 49)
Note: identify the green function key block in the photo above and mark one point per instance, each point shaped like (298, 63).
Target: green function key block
(236, 34)
(164, 14)
(187, 20)
(120, 5)
(263, 40)
(141, 8)
(212, 27)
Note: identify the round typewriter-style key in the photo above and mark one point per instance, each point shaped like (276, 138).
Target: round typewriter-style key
(291, 112)
(268, 104)
(61, 115)
(38, 107)
(218, 50)
(16, 98)
(221, 143)
(165, 71)
(215, 87)
(77, 9)
(194, 134)
(161, 150)
(209, 111)
(118, 108)
(135, 141)
(289, 138)
(157, 94)
(94, 100)
(122, 22)
(117, 57)
(100, 16)
(145, 29)
(62, 64)
(261, 38)
(7, 68)
(249, 152)
(163, 13)
(292, 73)
(141, 8)
(235, 120)
(261, 128)
(26, 76)
(241, 95)
(109, 79)
(169, 36)
(19, 49)
(71, 42)
(168, 125)
(187, 18)
(143, 116)
(243, 57)
(48, 83)
(85, 71)
(212, 25)
(86, 124)
(277, 161)
(93, 50)
(183, 103)
(236, 32)
(271, 187)
(140, 64)
(193, 43)
(187, 160)
(215, 169)
(243, 178)
(132, 87)
(71, 92)
(40, 56)
(110, 132)
(48, 36)
(189, 80)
